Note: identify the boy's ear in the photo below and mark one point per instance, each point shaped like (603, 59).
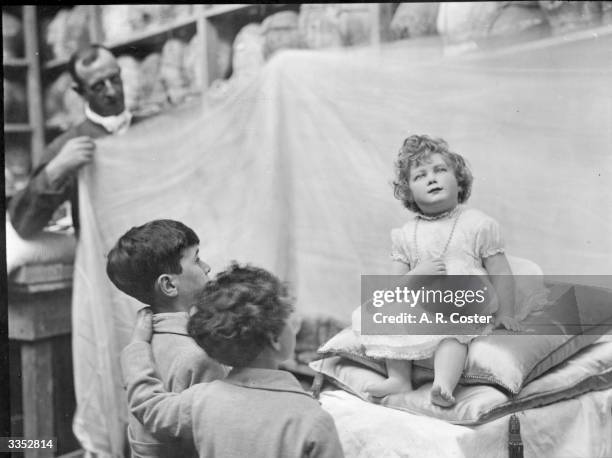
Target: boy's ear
(167, 285)
(274, 342)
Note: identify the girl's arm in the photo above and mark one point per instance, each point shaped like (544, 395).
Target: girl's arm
(498, 268)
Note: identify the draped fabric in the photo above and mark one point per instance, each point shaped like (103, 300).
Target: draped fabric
(293, 172)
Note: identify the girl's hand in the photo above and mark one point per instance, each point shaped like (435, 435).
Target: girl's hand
(143, 330)
(508, 322)
(430, 267)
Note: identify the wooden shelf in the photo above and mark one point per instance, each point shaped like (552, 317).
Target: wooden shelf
(55, 64)
(17, 128)
(219, 10)
(152, 33)
(16, 62)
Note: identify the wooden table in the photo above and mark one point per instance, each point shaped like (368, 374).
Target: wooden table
(35, 319)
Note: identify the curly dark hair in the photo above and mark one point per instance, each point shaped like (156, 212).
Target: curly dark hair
(144, 253)
(414, 151)
(237, 313)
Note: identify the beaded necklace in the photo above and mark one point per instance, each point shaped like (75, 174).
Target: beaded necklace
(456, 210)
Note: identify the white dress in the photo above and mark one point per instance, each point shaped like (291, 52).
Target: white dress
(475, 236)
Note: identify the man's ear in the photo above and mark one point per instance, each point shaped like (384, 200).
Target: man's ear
(167, 285)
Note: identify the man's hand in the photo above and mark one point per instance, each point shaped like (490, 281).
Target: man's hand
(143, 330)
(430, 267)
(74, 154)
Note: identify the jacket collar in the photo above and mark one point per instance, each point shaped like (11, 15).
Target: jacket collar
(265, 379)
(170, 323)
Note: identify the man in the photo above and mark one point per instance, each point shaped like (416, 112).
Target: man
(97, 79)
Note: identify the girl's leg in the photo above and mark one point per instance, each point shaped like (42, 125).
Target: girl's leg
(449, 361)
(398, 379)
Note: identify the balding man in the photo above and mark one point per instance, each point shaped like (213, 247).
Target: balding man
(97, 79)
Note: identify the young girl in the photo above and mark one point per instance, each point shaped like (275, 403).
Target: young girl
(442, 238)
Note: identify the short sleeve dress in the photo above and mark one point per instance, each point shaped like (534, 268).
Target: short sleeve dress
(475, 236)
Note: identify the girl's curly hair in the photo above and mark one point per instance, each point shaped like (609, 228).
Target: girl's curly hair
(415, 150)
(237, 313)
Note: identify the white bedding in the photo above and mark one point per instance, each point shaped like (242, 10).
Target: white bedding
(579, 427)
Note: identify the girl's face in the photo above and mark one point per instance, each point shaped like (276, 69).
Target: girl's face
(434, 185)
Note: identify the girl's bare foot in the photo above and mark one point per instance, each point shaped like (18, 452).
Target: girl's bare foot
(391, 385)
(441, 397)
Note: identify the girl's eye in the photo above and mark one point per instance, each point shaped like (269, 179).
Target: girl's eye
(416, 177)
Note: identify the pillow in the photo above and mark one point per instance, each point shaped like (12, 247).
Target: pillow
(511, 361)
(588, 370)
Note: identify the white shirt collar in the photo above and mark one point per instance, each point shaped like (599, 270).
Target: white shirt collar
(117, 124)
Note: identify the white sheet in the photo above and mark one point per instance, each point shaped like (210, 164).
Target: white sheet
(579, 427)
(292, 173)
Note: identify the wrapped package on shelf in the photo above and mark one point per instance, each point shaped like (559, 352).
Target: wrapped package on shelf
(571, 15)
(77, 31)
(115, 20)
(12, 36)
(152, 95)
(520, 17)
(55, 112)
(355, 21)
(54, 33)
(193, 63)
(63, 106)
(223, 58)
(130, 74)
(319, 25)
(143, 17)
(172, 70)
(170, 13)
(414, 20)
(463, 23)
(606, 12)
(15, 101)
(16, 166)
(68, 31)
(248, 52)
(281, 31)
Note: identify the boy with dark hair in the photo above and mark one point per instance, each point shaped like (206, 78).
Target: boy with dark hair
(158, 263)
(244, 319)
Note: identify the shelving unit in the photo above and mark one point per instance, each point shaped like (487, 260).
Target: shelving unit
(207, 21)
(30, 64)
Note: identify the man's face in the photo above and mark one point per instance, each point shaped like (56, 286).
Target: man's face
(101, 85)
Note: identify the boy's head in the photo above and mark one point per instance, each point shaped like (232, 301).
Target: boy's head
(419, 149)
(158, 263)
(243, 312)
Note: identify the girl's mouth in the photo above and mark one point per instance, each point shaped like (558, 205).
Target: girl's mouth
(434, 190)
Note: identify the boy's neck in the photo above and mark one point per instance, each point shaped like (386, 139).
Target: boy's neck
(168, 307)
(264, 362)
